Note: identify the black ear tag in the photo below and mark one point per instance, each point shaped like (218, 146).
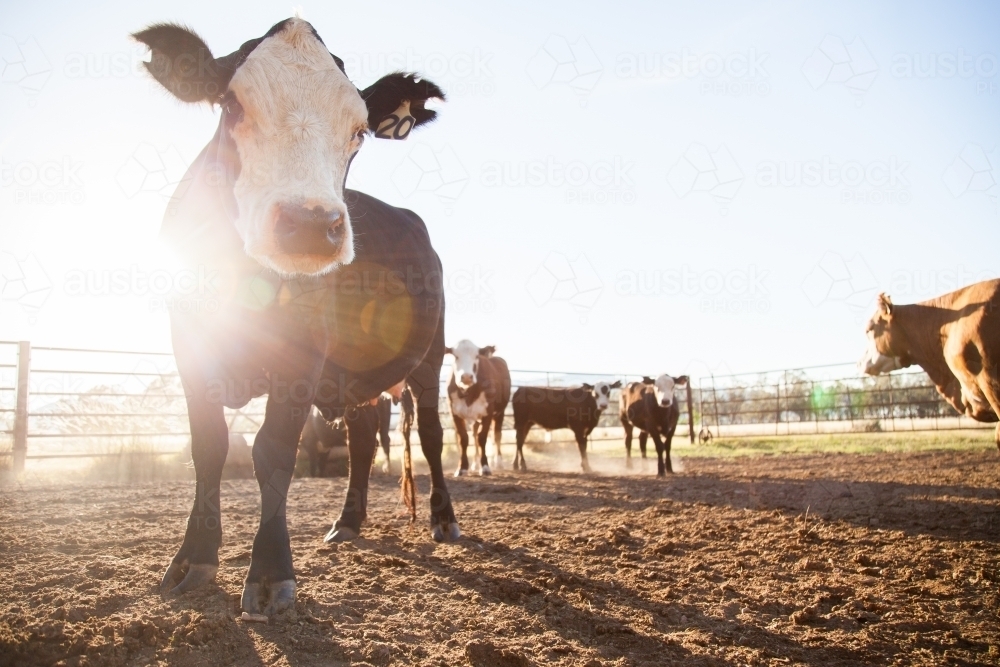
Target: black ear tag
(396, 125)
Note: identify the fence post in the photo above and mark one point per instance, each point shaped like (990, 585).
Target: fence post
(715, 402)
(20, 450)
(690, 412)
(892, 404)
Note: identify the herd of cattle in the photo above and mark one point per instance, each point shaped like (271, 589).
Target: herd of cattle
(478, 394)
(324, 303)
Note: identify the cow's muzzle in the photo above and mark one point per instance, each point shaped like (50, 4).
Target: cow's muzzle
(309, 231)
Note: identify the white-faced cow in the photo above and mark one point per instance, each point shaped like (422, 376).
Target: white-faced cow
(322, 291)
(653, 407)
(955, 338)
(575, 408)
(478, 393)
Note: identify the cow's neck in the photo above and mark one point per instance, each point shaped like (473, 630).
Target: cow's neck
(923, 325)
(468, 395)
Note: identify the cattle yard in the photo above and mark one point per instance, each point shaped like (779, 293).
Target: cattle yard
(781, 542)
(807, 559)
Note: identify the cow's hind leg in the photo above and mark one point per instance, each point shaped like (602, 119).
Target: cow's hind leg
(522, 435)
(197, 561)
(362, 428)
(643, 439)
(425, 386)
(989, 384)
(482, 434)
(461, 430)
(628, 444)
(271, 579)
(581, 443)
(497, 429)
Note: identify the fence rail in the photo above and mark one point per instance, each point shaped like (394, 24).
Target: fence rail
(56, 402)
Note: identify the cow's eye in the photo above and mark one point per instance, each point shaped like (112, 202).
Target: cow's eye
(232, 110)
(359, 136)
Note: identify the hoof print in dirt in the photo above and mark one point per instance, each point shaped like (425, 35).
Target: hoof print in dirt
(484, 654)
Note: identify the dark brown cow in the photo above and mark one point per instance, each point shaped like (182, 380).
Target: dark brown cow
(478, 392)
(955, 338)
(652, 407)
(321, 291)
(575, 408)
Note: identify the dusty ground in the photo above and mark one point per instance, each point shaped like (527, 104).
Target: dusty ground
(818, 559)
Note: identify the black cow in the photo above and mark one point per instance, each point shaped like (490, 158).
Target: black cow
(325, 444)
(575, 408)
(478, 392)
(320, 294)
(652, 407)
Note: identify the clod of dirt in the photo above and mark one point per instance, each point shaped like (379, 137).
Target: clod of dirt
(804, 615)
(484, 654)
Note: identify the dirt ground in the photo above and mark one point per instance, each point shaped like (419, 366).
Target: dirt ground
(779, 560)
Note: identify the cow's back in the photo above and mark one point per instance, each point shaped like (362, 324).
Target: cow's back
(497, 379)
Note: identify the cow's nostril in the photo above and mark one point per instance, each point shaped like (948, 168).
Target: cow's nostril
(313, 231)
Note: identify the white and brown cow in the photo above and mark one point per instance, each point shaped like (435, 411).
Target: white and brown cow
(478, 392)
(955, 338)
(576, 408)
(321, 290)
(653, 407)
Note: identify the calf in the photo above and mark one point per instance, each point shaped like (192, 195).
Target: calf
(321, 291)
(478, 392)
(575, 408)
(652, 407)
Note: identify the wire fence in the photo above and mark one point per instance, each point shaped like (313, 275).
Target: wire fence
(72, 403)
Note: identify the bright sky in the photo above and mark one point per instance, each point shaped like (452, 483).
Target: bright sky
(613, 187)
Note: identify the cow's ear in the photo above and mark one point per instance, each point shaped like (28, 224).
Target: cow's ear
(487, 351)
(396, 104)
(683, 379)
(648, 380)
(884, 304)
(616, 384)
(448, 350)
(588, 387)
(183, 63)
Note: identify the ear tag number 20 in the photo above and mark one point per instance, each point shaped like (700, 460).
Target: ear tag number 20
(396, 125)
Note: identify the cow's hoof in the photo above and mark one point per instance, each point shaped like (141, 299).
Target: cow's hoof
(181, 578)
(461, 472)
(253, 598)
(342, 534)
(281, 597)
(485, 471)
(385, 468)
(628, 463)
(498, 463)
(447, 533)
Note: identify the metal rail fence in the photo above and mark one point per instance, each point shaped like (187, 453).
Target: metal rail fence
(60, 403)
(823, 399)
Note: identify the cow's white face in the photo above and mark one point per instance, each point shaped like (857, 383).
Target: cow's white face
(296, 121)
(874, 362)
(664, 388)
(602, 394)
(465, 364)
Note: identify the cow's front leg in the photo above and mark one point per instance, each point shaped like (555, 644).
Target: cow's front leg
(270, 581)
(362, 426)
(520, 436)
(628, 444)
(197, 561)
(661, 470)
(581, 443)
(463, 444)
(444, 525)
(481, 435)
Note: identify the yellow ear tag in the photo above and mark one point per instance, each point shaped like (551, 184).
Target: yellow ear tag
(396, 125)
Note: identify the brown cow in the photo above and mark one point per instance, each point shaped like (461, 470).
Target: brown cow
(955, 338)
(652, 407)
(478, 392)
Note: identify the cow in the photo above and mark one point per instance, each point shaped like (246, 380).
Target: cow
(955, 338)
(405, 423)
(325, 444)
(320, 294)
(575, 408)
(478, 392)
(652, 407)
